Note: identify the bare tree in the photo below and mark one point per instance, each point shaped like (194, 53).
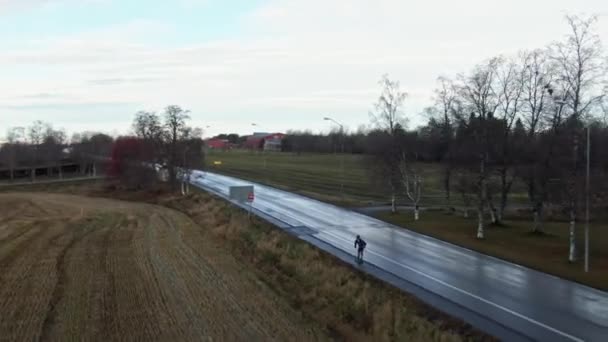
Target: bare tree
(510, 84)
(52, 147)
(447, 103)
(14, 136)
(176, 128)
(582, 70)
(478, 90)
(537, 74)
(582, 65)
(149, 128)
(411, 180)
(389, 118)
(36, 133)
(389, 108)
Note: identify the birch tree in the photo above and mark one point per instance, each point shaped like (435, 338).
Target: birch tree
(582, 69)
(389, 117)
(478, 90)
(411, 180)
(510, 92)
(446, 102)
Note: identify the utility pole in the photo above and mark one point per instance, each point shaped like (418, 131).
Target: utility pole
(587, 189)
(341, 154)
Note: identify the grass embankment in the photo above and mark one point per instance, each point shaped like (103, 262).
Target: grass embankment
(513, 241)
(343, 301)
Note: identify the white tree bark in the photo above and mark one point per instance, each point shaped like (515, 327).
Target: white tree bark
(413, 185)
(493, 216)
(572, 249)
(480, 225)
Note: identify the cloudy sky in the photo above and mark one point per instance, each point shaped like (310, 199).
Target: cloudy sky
(283, 64)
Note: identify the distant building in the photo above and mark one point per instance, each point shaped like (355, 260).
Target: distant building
(265, 141)
(218, 144)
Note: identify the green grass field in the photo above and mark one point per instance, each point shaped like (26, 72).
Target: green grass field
(320, 175)
(513, 241)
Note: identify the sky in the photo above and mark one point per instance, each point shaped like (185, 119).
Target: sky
(91, 64)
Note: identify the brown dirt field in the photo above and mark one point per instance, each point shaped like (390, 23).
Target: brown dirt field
(80, 268)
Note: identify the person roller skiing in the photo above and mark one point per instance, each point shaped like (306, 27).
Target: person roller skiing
(360, 246)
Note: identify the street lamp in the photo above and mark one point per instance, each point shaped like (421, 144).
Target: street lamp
(341, 154)
(587, 189)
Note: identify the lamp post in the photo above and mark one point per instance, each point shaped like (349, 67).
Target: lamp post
(341, 154)
(587, 189)
(587, 179)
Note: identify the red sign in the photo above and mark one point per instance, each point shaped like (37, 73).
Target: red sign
(251, 197)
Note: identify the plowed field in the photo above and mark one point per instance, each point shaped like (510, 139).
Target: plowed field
(80, 268)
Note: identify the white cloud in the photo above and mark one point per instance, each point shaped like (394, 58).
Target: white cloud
(298, 60)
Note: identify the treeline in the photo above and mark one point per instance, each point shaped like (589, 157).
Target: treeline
(163, 148)
(524, 117)
(42, 149)
(162, 144)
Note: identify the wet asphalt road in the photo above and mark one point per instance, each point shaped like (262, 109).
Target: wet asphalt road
(534, 304)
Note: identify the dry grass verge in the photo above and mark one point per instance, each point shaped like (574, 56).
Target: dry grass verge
(351, 304)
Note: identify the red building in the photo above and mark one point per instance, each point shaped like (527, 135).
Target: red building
(265, 141)
(217, 144)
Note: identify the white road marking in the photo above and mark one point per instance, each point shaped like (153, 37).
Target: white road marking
(472, 295)
(514, 313)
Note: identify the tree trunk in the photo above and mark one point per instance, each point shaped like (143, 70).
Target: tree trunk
(482, 197)
(538, 218)
(465, 213)
(446, 185)
(393, 203)
(416, 213)
(12, 172)
(60, 172)
(480, 224)
(572, 249)
(504, 195)
(493, 216)
(492, 210)
(33, 174)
